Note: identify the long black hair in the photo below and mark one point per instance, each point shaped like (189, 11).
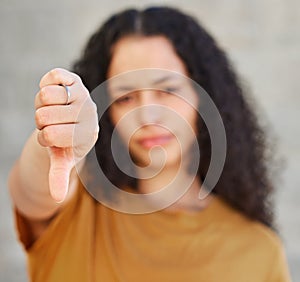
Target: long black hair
(245, 182)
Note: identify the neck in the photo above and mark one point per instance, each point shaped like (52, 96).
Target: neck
(177, 180)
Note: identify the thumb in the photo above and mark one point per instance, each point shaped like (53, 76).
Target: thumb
(61, 163)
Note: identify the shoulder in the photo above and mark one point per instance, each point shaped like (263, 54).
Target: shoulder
(250, 242)
(242, 228)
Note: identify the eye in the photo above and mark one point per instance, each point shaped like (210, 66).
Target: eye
(126, 99)
(170, 89)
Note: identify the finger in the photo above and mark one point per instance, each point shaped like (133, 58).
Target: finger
(58, 76)
(52, 115)
(59, 173)
(54, 95)
(59, 135)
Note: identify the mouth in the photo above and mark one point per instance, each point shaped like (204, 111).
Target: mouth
(159, 140)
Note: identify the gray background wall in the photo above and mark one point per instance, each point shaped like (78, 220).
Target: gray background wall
(262, 38)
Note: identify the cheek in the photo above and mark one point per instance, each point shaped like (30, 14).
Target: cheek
(125, 125)
(189, 114)
(114, 115)
(186, 107)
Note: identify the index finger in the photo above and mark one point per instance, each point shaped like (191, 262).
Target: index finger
(58, 76)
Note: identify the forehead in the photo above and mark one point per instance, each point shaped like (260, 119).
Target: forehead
(146, 78)
(140, 52)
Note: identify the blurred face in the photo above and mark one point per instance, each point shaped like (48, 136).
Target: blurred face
(153, 111)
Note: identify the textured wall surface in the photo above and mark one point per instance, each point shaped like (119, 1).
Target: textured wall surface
(262, 38)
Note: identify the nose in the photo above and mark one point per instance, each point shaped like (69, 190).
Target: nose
(150, 110)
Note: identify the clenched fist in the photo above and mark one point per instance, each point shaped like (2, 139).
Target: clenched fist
(68, 126)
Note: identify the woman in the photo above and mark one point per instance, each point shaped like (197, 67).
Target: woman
(68, 235)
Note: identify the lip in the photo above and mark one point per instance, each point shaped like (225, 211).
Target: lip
(158, 140)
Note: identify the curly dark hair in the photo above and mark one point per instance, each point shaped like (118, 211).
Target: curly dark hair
(245, 182)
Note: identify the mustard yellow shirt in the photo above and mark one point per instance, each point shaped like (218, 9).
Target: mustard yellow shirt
(90, 242)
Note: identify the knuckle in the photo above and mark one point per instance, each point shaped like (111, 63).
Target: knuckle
(92, 106)
(55, 73)
(77, 77)
(39, 118)
(85, 91)
(96, 133)
(48, 135)
(43, 97)
(37, 99)
(41, 139)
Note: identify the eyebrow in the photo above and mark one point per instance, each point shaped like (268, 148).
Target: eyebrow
(124, 88)
(163, 79)
(154, 82)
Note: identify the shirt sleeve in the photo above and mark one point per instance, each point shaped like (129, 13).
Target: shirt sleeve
(24, 229)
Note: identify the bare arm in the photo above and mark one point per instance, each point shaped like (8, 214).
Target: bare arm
(40, 180)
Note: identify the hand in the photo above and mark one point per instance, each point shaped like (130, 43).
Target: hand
(58, 122)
